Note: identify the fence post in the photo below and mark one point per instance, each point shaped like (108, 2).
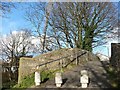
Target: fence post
(61, 65)
(76, 59)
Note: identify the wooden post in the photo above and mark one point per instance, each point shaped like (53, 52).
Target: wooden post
(61, 65)
(76, 59)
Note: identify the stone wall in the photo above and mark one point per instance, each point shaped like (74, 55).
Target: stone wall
(115, 55)
(27, 66)
(0, 76)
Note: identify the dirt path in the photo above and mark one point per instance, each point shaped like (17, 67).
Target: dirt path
(71, 79)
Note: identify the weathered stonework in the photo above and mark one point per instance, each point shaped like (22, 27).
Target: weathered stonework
(115, 59)
(115, 55)
(27, 66)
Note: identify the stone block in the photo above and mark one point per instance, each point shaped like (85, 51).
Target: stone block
(84, 85)
(58, 79)
(84, 72)
(37, 78)
(84, 79)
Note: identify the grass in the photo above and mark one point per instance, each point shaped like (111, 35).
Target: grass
(45, 75)
(26, 82)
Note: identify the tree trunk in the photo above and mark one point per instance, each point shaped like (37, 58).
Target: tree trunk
(88, 39)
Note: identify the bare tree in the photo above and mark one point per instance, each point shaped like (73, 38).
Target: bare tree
(14, 46)
(38, 15)
(47, 14)
(81, 24)
(5, 7)
(35, 14)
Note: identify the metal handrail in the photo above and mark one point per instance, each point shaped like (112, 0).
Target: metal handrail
(60, 59)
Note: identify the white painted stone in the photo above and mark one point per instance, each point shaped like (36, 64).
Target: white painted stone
(37, 83)
(84, 79)
(37, 67)
(58, 84)
(37, 78)
(84, 85)
(84, 72)
(58, 79)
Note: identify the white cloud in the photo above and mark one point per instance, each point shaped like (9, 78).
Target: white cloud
(14, 32)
